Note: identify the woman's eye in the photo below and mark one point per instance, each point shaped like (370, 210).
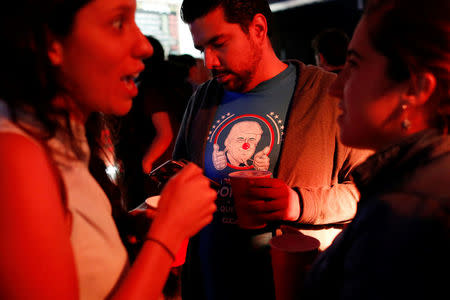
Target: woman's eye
(352, 63)
(118, 23)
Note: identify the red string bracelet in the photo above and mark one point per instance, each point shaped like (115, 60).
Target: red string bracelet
(162, 245)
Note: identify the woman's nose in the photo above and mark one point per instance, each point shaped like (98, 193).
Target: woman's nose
(143, 48)
(337, 87)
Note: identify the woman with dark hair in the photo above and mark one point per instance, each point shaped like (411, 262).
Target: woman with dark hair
(61, 61)
(395, 98)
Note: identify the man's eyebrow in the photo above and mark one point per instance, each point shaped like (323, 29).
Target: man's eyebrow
(210, 41)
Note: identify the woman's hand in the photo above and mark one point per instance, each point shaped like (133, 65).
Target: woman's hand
(187, 205)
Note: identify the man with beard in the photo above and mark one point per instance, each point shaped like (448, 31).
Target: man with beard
(299, 137)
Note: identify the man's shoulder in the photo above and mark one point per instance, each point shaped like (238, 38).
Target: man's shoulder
(208, 91)
(206, 96)
(311, 73)
(313, 83)
(210, 84)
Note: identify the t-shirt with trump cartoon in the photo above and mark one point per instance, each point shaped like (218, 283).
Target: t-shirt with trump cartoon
(247, 134)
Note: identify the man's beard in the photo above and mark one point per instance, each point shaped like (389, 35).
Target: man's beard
(239, 82)
(241, 79)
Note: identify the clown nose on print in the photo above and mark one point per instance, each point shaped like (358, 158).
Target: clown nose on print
(245, 146)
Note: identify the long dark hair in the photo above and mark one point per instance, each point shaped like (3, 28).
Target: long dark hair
(414, 35)
(27, 78)
(98, 127)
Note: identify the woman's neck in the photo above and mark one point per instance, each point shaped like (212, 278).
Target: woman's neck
(75, 112)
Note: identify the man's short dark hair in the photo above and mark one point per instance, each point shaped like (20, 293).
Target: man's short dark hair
(332, 44)
(236, 11)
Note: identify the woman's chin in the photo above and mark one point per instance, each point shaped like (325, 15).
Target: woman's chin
(122, 109)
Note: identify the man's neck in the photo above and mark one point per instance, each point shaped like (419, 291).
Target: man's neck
(269, 67)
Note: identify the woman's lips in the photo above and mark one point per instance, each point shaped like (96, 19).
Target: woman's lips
(130, 85)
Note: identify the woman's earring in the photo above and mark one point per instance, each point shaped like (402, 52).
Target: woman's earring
(406, 124)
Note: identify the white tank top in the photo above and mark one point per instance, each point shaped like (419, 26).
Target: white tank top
(99, 254)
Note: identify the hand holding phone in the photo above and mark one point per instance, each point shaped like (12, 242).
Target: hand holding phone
(161, 174)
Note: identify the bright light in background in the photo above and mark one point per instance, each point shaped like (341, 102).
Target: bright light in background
(113, 172)
(286, 4)
(161, 19)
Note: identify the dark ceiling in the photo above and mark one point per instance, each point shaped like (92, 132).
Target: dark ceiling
(294, 28)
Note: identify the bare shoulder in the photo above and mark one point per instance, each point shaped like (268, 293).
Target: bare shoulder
(12, 143)
(21, 154)
(25, 170)
(32, 217)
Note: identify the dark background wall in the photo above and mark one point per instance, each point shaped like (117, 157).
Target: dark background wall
(293, 29)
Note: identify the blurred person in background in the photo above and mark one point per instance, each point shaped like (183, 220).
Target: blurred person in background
(330, 49)
(395, 99)
(198, 74)
(146, 134)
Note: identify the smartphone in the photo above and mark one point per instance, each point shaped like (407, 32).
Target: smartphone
(161, 174)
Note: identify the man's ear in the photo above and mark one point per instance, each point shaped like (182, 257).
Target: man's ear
(55, 51)
(420, 88)
(322, 60)
(259, 26)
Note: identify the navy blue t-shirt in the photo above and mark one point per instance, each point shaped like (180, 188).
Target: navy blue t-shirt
(247, 134)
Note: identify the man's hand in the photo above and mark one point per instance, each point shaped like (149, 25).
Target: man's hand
(219, 159)
(270, 199)
(262, 161)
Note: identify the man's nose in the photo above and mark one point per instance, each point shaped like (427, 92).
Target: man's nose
(211, 59)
